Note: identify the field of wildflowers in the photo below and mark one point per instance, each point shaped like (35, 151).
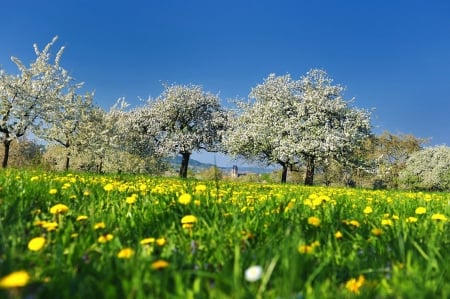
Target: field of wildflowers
(99, 236)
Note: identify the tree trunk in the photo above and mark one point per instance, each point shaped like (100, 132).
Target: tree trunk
(7, 145)
(184, 164)
(284, 173)
(309, 178)
(100, 166)
(67, 162)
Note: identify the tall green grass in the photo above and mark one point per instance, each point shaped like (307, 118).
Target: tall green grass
(311, 242)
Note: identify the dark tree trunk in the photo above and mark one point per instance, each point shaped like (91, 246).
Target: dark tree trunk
(284, 173)
(184, 164)
(7, 145)
(100, 166)
(309, 178)
(67, 162)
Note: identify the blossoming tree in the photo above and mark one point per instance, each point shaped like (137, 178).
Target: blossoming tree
(68, 122)
(183, 119)
(261, 128)
(327, 126)
(25, 97)
(291, 122)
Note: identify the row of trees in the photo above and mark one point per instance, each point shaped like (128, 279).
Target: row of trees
(297, 124)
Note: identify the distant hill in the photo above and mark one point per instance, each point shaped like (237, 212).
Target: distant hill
(199, 166)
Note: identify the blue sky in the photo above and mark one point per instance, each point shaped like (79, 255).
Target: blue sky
(393, 56)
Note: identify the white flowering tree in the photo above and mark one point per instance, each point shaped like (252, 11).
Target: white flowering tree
(327, 126)
(183, 119)
(428, 169)
(261, 130)
(301, 121)
(25, 97)
(68, 122)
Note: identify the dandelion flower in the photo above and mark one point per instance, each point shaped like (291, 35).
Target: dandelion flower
(36, 244)
(125, 253)
(50, 226)
(99, 225)
(368, 210)
(188, 219)
(105, 238)
(440, 217)
(314, 221)
(253, 273)
(160, 264)
(147, 241)
(59, 209)
(53, 191)
(387, 222)
(131, 199)
(185, 198)
(161, 241)
(200, 188)
(353, 285)
(305, 249)
(15, 280)
(338, 235)
(411, 219)
(108, 187)
(376, 231)
(421, 210)
(82, 218)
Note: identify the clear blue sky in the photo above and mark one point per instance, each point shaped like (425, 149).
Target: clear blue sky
(393, 56)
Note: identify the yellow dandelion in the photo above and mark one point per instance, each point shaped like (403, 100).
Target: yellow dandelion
(439, 217)
(200, 188)
(354, 285)
(161, 241)
(50, 226)
(59, 209)
(99, 225)
(420, 211)
(185, 198)
(125, 253)
(15, 280)
(53, 191)
(147, 241)
(305, 249)
(376, 231)
(387, 222)
(338, 235)
(411, 219)
(368, 210)
(159, 264)
(105, 238)
(131, 199)
(36, 244)
(108, 187)
(82, 218)
(189, 219)
(314, 221)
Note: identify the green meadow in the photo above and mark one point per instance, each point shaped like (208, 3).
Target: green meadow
(72, 235)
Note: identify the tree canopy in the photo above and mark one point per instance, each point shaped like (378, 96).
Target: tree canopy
(297, 121)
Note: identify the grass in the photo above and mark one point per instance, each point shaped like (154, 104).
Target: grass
(311, 242)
